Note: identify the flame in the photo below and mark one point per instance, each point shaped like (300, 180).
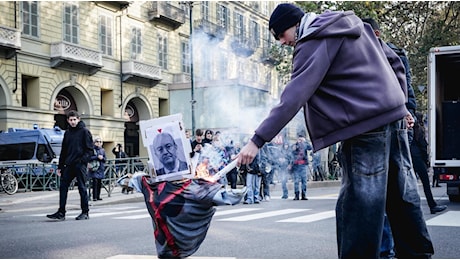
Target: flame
(203, 172)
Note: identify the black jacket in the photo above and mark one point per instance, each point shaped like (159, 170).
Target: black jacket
(77, 146)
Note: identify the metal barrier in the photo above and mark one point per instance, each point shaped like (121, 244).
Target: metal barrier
(42, 176)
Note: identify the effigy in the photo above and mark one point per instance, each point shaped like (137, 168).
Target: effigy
(181, 206)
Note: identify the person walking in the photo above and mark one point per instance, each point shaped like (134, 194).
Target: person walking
(76, 151)
(300, 168)
(98, 174)
(253, 179)
(419, 152)
(284, 161)
(352, 90)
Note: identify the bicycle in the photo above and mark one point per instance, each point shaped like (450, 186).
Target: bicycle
(9, 183)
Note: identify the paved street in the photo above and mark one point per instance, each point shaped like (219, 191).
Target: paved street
(120, 227)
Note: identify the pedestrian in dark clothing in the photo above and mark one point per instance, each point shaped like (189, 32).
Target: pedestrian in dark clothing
(98, 174)
(208, 136)
(76, 151)
(198, 143)
(352, 90)
(419, 152)
(119, 154)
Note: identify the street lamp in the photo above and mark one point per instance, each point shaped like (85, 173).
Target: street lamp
(192, 85)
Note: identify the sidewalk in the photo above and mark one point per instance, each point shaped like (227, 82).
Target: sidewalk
(49, 200)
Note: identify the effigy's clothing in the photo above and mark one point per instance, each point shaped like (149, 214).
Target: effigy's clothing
(181, 211)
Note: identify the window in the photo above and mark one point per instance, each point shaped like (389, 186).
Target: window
(239, 26)
(254, 32)
(222, 65)
(264, 7)
(163, 52)
(105, 34)
(184, 6)
(30, 18)
(205, 10)
(136, 43)
(222, 16)
(185, 51)
(70, 22)
(206, 64)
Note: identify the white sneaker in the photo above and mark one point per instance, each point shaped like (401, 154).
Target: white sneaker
(267, 198)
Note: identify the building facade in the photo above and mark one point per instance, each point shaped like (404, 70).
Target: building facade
(118, 62)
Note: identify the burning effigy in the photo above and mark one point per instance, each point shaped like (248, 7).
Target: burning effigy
(181, 204)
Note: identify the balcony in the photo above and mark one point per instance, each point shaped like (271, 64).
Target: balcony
(114, 5)
(10, 41)
(76, 58)
(167, 14)
(141, 73)
(213, 30)
(243, 46)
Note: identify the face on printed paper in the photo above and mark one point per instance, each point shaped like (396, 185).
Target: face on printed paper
(165, 149)
(288, 37)
(73, 121)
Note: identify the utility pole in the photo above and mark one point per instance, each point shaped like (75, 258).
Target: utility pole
(192, 86)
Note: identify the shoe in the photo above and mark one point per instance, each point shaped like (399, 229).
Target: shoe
(99, 198)
(82, 216)
(296, 198)
(57, 216)
(284, 197)
(247, 202)
(437, 185)
(304, 198)
(94, 199)
(256, 201)
(437, 209)
(267, 198)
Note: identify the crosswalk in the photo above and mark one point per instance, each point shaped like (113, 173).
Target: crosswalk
(245, 214)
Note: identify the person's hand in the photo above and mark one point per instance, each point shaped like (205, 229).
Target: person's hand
(247, 154)
(409, 120)
(100, 157)
(197, 148)
(58, 172)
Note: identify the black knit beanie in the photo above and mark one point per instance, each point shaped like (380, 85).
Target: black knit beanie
(283, 17)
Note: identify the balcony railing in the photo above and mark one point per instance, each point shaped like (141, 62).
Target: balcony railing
(166, 13)
(210, 28)
(182, 78)
(75, 57)
(243, 45)
(10, 41)
(138, 72)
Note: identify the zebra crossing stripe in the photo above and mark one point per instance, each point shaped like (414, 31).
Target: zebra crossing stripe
(263, 215)
(310, 218)
(233, 211)
(133, 217)
(448, 219)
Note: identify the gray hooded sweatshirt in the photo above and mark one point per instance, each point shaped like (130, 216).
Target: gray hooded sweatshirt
(346, 80)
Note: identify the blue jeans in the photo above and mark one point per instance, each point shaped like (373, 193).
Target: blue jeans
(299, 172)
(284, 178)
(378, 176)
(253, 186)
(386, 248)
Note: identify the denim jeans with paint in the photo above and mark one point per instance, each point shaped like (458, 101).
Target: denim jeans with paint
(378, 175)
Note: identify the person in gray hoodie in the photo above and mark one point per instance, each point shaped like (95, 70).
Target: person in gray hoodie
(352, 90)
